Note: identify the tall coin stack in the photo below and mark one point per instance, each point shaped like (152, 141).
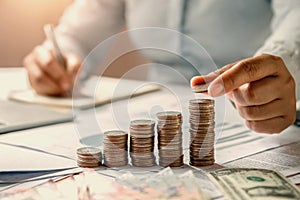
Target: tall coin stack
(170, 138)
(115, 151)
(142, 143)
(89, 157)
(202, 133)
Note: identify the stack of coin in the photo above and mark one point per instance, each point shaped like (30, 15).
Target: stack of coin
(89, 157)
(202, 133)
(170, 138)
(142, 143)
(115, 148)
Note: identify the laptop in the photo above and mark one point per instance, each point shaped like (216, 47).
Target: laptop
(18, 116)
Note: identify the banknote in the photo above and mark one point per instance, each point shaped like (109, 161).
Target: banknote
(163, 185)
(258, 184)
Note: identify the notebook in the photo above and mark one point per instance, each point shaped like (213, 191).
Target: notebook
(18, 116)
(96, 91)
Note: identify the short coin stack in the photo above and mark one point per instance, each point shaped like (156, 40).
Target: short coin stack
(170, 138)
(142, 143)
(89, 157)
(115, 151)
(202, 132)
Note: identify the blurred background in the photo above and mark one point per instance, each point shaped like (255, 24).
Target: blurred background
(21, 28)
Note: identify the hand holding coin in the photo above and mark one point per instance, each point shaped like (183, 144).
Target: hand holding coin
(200, 84)
(262, 89)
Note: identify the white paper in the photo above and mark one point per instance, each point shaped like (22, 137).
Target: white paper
(237, 141)
(291, 171)
(97, 91)
(295, 179)
(13, 159)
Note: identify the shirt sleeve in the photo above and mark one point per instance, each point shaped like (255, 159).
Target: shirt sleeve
(86, 23)
(285, 38)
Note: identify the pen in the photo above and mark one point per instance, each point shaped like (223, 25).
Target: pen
(49, 32)
(50, 35)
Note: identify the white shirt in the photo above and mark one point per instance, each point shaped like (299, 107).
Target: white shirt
(229, 30)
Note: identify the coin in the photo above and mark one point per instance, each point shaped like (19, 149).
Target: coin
(200, 88)
(141, 124)
(168, 122)
(169, 129)
(169, 115)
(202, 101)
(115, 150)
(92, 157)
(142, 142)
(116, 164)
(115, 134)
(85, 165)
(172, 163)
(202, 133)
(82, 161)
(89, 157)
(88, 151)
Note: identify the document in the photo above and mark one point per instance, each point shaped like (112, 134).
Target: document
(14, 159)
(48, 148)
(94, 92)
(13, 181)
(236, 141)
(19, 116)
(285, 159)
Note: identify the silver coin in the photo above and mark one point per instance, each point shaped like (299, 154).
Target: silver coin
(142, 123)
(88, 151)
(202, 101)
(200, 88)
(169, 115)
(115, 133)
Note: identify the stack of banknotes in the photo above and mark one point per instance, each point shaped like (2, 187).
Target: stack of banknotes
(235, 183)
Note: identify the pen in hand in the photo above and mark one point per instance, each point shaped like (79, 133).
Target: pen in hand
(49, 32)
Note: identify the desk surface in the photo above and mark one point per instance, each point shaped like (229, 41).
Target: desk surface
(67, 136)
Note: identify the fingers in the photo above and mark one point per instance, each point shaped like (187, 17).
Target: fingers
(47, 62)
(73, 63)
(272, 117)
(40, 82)
(262, 90)
(258, 92)
(246, 71)
(47, 76)
(263, 112)
(274, 125)
(198, 80)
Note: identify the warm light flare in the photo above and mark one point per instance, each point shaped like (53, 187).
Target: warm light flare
(21, 26)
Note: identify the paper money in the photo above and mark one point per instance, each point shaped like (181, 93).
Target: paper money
(258, 184)
(192, 185)
(163, 185)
